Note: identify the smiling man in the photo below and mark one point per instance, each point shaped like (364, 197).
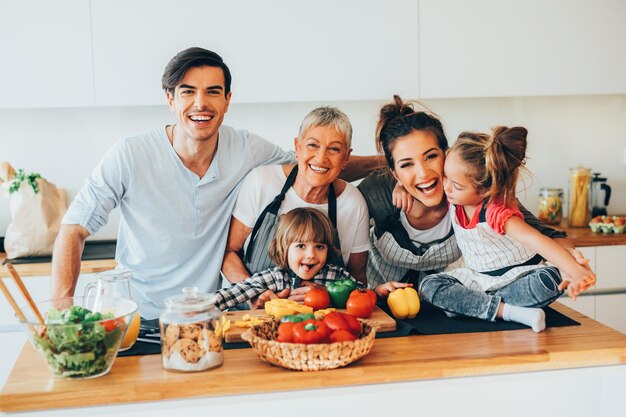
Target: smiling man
(176, 187)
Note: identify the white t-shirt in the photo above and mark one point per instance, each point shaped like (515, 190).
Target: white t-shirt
(174, 225)
(435, 233)
(263, 184)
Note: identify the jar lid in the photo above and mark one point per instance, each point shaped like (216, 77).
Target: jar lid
(190, 300)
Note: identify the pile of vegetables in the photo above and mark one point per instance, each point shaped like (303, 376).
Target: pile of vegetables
(342, 294)
(333, 327)
(77, 342)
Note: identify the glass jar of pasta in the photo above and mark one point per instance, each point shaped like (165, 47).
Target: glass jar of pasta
(550, 210)
(579, 181)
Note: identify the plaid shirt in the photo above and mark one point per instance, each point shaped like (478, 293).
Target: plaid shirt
(276, 279)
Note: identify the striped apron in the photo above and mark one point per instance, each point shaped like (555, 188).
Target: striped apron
(393, 255)
(492, 260)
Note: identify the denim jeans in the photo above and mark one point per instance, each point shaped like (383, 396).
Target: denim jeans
(536, 288)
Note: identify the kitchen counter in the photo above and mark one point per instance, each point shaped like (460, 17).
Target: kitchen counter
(45, 268)
(583, 236)
(391, 361)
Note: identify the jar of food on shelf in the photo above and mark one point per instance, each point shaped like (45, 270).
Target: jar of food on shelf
(579, 214)
(550, 210)
(191, 332)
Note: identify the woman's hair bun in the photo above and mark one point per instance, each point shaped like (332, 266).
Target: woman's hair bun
(396, 109)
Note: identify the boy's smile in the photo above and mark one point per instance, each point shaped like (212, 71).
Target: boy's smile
(306, 258)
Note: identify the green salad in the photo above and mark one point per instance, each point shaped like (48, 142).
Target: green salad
(77, 342)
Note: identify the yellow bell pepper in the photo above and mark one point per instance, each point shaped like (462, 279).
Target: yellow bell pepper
(404, 303)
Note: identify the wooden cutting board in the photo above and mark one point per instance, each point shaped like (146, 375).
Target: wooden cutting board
(378, 318)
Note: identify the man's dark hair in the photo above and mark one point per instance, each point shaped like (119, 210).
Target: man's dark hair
(191, 58)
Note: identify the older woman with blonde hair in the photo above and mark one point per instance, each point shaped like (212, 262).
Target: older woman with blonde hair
(322, 150)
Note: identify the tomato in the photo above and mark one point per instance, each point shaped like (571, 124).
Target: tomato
(341, 336)
(342, 321)
(285, 332)
(361, 303)
(110, 325)
(42, 330)
(317, 298)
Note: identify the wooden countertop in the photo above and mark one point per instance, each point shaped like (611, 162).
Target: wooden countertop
(45, 268)
(583, 236)
(141, 378)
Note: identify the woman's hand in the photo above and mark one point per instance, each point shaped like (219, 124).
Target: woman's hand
(383, 290)
(259, 302)
(401, 198)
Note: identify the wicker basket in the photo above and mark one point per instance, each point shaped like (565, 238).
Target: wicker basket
(302, 357)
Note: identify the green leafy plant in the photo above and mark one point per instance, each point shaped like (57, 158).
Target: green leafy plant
(20, 177)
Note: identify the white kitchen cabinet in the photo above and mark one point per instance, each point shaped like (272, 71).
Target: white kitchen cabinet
(45, 54)
(494, 48)
(611, 310)
(278, 51)
(589, 252)
(606, 307)
(39, 289)
(610, 267)
(584, 304)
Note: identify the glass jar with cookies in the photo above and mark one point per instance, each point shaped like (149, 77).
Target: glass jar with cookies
(191, 332)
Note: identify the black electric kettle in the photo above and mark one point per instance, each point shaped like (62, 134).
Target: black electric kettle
(599, 195)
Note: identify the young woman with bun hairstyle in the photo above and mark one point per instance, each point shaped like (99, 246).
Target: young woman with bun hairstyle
(417, 239)
(504, 257)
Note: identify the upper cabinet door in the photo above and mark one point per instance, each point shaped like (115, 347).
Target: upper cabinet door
(278, 51)
(45, 54)
(522, 48)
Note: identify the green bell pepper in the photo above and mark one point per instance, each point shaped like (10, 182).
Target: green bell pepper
(339, 291)
(297, 318)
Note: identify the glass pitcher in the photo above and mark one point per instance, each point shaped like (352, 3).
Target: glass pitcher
(109, 284)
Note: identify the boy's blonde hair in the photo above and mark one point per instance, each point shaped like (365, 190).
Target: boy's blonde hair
(302, 224)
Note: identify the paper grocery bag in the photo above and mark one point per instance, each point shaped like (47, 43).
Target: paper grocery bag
(36, 218)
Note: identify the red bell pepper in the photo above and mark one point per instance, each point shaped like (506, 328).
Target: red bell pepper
(285, 332)
(311, 331)
(341, 321)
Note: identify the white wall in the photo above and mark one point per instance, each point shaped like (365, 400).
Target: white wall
(65, 144)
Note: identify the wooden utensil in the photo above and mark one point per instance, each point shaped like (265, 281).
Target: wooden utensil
(25, 294)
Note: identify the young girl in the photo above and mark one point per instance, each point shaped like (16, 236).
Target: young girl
(300, 248)
(503, 255)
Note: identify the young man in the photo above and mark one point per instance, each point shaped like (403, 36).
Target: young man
(176, 188)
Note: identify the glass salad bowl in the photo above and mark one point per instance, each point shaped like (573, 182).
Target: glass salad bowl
(80, 336)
